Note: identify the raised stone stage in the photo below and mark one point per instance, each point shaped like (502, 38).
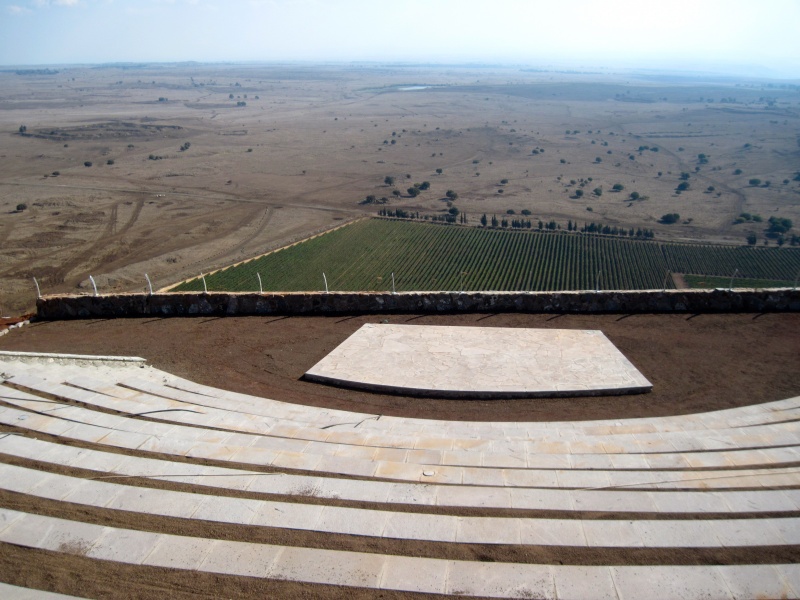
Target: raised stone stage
(479, 362)
(694, 506)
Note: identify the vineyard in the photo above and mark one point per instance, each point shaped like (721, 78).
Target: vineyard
(363, 256)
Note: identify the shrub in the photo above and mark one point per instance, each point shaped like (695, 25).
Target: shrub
(670, 218)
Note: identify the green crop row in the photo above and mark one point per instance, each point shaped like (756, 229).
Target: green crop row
(364, 255)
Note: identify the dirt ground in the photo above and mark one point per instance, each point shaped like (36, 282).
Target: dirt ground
(695, 362)
(313, 141)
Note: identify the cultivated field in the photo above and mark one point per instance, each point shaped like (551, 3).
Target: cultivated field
(174, 170)
(367, 255)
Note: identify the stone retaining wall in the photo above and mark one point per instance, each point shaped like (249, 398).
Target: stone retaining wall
(317, 303)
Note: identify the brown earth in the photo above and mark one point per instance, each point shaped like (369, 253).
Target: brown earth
(696, 362)
(309, 145)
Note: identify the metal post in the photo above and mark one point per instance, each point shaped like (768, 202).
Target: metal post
(326, 282)
(664, 287)
(394, 292)
(597, 282)
(260, 287)
(794, 288)
(149, 284)
(39, 292)
(205, 288)
(730, 285)
(94, 285)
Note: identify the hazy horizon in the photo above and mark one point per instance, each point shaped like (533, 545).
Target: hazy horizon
(736, 37)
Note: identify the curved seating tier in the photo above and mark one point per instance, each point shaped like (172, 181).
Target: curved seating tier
(119, 438)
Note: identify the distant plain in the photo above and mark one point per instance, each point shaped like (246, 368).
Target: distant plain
(194, 167)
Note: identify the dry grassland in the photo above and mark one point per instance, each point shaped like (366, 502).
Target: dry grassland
(309, 145)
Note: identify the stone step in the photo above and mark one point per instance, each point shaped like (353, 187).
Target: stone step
(176, 388)
(460, 448)
(673, 533)
(13, 592)
(162, 438)
(401, 573)
(379, 492)
(576, 455)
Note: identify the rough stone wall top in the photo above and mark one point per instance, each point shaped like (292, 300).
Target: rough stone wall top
(317, 303)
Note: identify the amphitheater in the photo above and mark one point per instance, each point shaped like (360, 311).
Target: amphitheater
(151, 483)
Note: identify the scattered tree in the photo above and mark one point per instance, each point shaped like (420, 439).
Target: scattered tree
(778, 225)
(21, 206)
(670, 218)
(88, 163)
(618, 187)
(754, 181)
(388, 180)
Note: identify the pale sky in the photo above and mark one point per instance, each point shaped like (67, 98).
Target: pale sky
(740, 36)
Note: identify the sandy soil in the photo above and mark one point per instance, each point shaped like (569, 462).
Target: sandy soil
(309, 145)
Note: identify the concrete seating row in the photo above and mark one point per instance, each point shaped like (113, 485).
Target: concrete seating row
(110, 430)
(119, 467)
(702, 483)
(659, 533)
(390, 572)
(754, 446)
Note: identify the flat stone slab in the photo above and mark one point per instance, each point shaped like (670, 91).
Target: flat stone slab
(479, 362)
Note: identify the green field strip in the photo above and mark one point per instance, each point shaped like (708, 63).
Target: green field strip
(712, 282)
(425, 256)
